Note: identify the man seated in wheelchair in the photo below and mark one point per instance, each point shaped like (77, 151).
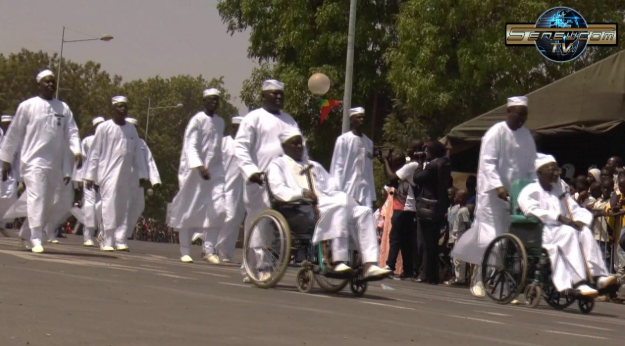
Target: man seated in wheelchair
(339, 215)
(566, 235)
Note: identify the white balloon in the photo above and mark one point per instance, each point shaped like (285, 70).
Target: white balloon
(319, 84)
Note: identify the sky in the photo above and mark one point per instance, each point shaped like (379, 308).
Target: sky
(151, 37)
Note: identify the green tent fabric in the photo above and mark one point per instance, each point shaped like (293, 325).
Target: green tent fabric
(590, 101)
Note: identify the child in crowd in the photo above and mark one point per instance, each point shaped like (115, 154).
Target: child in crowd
(582, 196)
(461, 223)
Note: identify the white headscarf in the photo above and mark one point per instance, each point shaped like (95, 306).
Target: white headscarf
(43, 74)
(289, 133)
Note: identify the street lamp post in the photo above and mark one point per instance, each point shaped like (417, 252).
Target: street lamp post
(349, 66)
(104, 38)
(147, 123)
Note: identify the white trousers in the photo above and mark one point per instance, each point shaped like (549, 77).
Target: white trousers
(227, 240)
(33, 234)
(362, 230)
(209, 235)
(567, 262)
(41, 185)
(592, 252)
(256, 201)
(115, 236)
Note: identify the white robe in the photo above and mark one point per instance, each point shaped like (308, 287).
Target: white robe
(8, 189)
(114, 154)
(137, 202)
(200, 203)
(60, 210)
(505, 156)
(563, 242)
(256, 145)
(340, 214)
(91, 198)
(352, 167)
(235, 212)
(41, 131)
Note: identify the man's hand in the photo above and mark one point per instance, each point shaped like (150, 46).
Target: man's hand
(89, 184)
(78, 160)
(257, 178)
(66, 180)
(502, 193)
(578, 225)
(143, 183)
(204, 173)
(310, 195)
(6, 168)
(79, 185)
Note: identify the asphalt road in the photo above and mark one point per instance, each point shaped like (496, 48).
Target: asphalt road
(72, 295)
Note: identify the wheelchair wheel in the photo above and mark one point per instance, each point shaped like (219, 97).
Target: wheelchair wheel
(305, 280)
(555, 299)
(330, 285)
(586, 305)
(358, 287)
(533, 293)
(267, 249)
(504, 268)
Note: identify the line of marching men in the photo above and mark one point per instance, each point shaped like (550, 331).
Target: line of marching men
(215, 175)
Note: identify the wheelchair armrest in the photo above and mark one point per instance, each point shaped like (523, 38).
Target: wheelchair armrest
(296, 203)
(516, 219)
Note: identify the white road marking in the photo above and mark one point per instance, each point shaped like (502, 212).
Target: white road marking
(585, 326)
(408, 301)
(573, 334)
(211, 274)
(387, 305)
(475, 319)
(231, 284)
(175, 276)
(494, 313)
(306, 294)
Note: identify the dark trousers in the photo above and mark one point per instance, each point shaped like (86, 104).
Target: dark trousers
(402, 238)
(428, 234)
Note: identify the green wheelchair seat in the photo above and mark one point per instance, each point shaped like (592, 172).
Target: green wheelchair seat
(516, 215)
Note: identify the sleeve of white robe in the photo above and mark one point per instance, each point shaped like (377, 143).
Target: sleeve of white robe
(489, 160)
(71, 133)
(68, 164)
(91, 170)
(140, 164)
(192, 143)
(80, 172)
(578, 213)
(337, 166)
(246, 137)
(13, 139)
(529, 202)
(278, 184)
(155, 177)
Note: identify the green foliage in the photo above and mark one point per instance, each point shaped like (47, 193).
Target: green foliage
(88, 91)
(421, 66)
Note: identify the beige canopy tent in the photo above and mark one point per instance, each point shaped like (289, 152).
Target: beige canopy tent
(591, 100)
(567, 112)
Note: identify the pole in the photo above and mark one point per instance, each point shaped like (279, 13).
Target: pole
(349, 66)
(58, 72)
(147, 122)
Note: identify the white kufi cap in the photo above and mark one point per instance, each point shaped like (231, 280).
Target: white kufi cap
(596, 173)
(132, 121)
(272, 84)
(119, 99)
(542, 159)
(357, 110)
(517, 101)
(97, 120)
(289, 133)
(211, 92)
(43, 74)
(237, 120)
(6, 118)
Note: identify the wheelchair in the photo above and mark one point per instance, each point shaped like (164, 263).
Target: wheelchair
(282, 236)
(516, 262)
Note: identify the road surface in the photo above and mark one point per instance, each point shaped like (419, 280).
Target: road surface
(73, 295)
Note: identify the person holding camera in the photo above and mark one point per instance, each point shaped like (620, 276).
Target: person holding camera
(431, 205)
(402, 236)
